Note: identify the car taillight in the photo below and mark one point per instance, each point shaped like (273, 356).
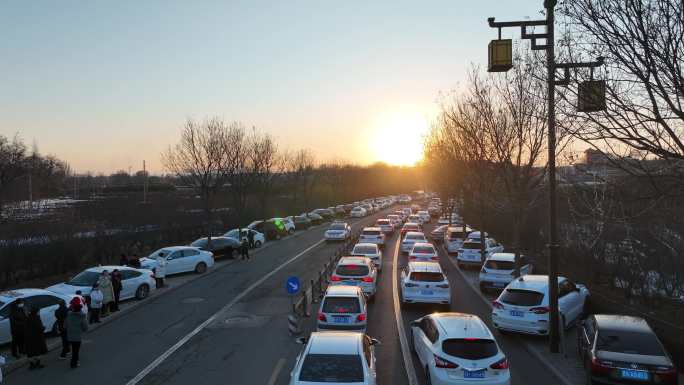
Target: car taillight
(497, 305)
(361, 317)
(443, 286)
(335, 278)
(667, 373)
(502, 364)
(321, 317)
(600, 366)
(367, 279)
(412, 257)
(442, 363)
(540, 310)
(434, 257)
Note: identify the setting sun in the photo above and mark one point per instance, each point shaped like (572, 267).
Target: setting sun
(398, 137)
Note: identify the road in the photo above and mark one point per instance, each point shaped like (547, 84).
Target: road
(229, 327)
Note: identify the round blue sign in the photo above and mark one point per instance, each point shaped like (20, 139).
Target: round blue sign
(292, 285)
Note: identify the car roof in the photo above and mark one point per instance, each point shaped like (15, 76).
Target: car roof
(334, 342)
(100, 269)
(175, 248)
(432, 267)
(415, 233)
(353, 260)
(372, 229)
(13, 294)
(343, 291)
(458, 228)
(533, 282)
(622, 323)
(510, 257)
(462, 325)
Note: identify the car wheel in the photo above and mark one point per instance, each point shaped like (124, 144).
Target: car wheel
(428, 380)
(290, 231)
(201, 268)
(257, 244)
(142, 292)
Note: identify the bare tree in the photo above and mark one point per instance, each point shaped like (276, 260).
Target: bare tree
(301, 169)
(12, 163)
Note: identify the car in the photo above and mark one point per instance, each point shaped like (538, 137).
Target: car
(356, 271)
(499, 270)
(338, 231)
(327, 214)
(271, 229)
(415, 208)
(447, 219)
(410, 239)
(523, 306)
(434, 211)
(46, 301)
(454, 237)
(424, 282)
(458, 348)
(240, 234)
(340, 212)
(621, 349)
(369, 250)
(437, 234)
(395, 220)
(476, 235)
(336, 358)
(283, 225)
(135, 283)
(404, 199)
(407, 211)
(385, 225)
(424, 216)
(470, 253)
(180, 259)
(423, 251)
(343, 308)
(370, 209)
(301, 222)
(315, 218)
(372, 235)
(409, 227)
(220, 246)
(401, 215)
(358, 212)
(415, 218)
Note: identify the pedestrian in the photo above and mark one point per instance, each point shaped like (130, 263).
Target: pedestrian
(123, 260)
(75, 325)
(117, 286)
(244, 250)
(96, 304)
(105, 284)
(250, 238)
(17, 322)
(160, 271)
(60, 315)
(82, 300)
(135, 262)
(35, 344)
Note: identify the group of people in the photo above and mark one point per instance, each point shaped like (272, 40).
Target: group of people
(132, 261)
(105, 294)
(159, 270)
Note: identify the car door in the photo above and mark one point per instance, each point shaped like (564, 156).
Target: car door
(568, 298)
(369, 354)
(130, 280)
(190, 259)
(5, 335)
(585, 337)
(173, 262)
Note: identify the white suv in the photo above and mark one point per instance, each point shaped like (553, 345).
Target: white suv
(470, 253)
(499, 270)
(411, 238)
(372, 235)
(343, 308)
(338, 231)
(356, 271)
(424, 216)
(423, 251)
(424, 282)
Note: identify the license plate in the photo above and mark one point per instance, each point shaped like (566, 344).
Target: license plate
(341, 320)
(517, 313)
(634, 374)
(474, 374)
(351, 283)
(426, 292)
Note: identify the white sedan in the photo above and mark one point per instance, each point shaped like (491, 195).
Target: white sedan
(45, 300)
(410, 239)
(369, 250)
(180, 259)
(358, 212)
(423, 251)
(336, 358)
(425, 282)
(136, 283)
(338, 231)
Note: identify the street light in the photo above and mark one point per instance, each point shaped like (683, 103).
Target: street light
(591, 97)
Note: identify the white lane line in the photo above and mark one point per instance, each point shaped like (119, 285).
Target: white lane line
(211, 319)
(403, 341)
(276, 372)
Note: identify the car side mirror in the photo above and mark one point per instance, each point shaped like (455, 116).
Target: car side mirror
(302, 340)
(375, 341)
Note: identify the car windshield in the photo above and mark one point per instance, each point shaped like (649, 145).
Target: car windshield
(365, 250)
(500, 265)
(423, 250)
(341, 305)
(426, 276)
(159, 253)
(337, 226)
(371, 232)
(470, 348)
(85, 278)
(471, 245)
(352, 270)
(520, 297)
(199, 243)
(332, 368)
(629, 342)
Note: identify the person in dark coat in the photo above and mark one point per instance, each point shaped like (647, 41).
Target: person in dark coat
(61, 314)
(250, 238)
(35, 344)
(244, 249)
(75, 325)
(17, 321)
(135, 261)
(123, 260)
(117, 286)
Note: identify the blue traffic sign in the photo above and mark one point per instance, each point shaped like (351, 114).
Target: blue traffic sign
(292, 285)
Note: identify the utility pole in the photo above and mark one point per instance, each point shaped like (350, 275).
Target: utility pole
(500, 60)
(144, 183)
(30, 188)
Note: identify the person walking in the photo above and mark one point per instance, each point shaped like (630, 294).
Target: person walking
(35, 339)
(84, 305)
(250, 238)
(60, 315)
(17, 320)
(105, 284)
(75, 325)
(96, 304)
(244, 250)
(117, 286)
(160, 271)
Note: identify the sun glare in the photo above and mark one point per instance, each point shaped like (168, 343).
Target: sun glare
(399, 138)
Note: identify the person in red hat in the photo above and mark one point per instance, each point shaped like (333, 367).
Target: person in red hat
(76, 324)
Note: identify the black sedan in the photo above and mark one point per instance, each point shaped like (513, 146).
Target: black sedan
(220, 246)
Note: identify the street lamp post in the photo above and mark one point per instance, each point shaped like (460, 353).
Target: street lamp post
(503, 63)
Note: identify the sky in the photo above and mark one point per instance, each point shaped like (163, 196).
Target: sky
(105, 85)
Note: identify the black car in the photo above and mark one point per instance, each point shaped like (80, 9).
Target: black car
(271, 230)
(315, 218)
(301, 222)
(220, 246)
(620, 349)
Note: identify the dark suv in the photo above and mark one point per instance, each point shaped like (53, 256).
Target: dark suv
(619, 349)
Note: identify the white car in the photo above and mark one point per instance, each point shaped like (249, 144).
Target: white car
(386, 225)
(240, 234)
(135, 283)
(458, 348)
(524, 305)
(372, 235)
(358, 212)
(423, 252)
(343, 308)
(499, 270)
(471, 254)
(425, 282)
(180, 259)
(356, 271)
(396, 220)
(415, 218)
(45, 300)
(369, 250)
(476, 236)
(454, 238)
(410, 239)
(424, 216)
(338, 231)
(336, 358)
(444, 220)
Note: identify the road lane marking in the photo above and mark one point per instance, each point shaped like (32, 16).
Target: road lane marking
(276, 372)
(403, 341)
(149, 368)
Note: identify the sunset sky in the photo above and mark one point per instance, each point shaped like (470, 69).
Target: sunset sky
(104, 85)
